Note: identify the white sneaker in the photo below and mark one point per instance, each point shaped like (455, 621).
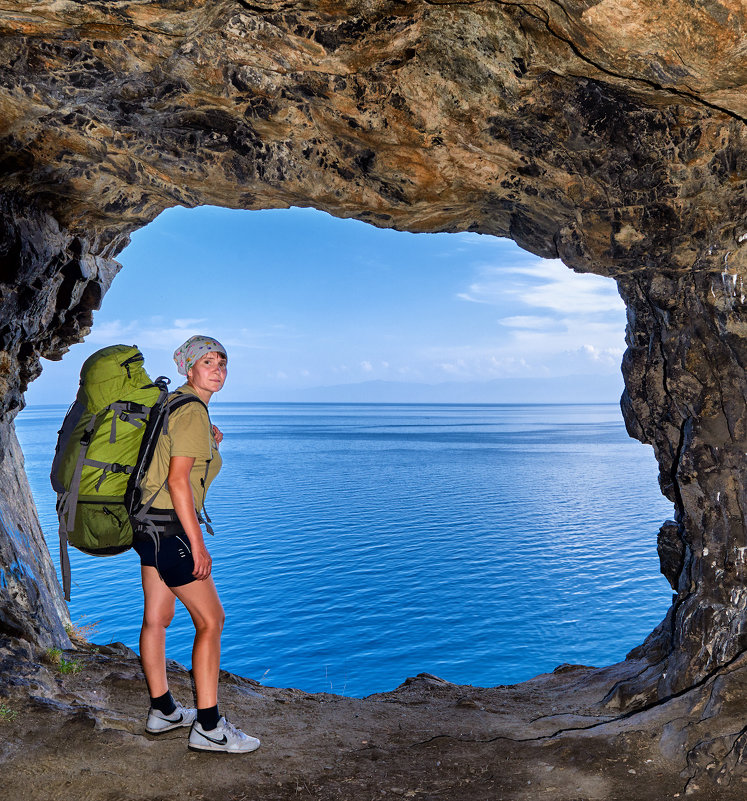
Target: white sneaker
(158, 723)
(224, 737)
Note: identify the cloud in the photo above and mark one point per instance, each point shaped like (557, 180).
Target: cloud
(575, 294)
(526, 351)
(526, 321)
(550, 319)
(546, 284)
(111, 332)
(566, 335)
(157, 335)
(459, 367)
(604, 355)
(464, 242)
(145, 333)
(367, 367)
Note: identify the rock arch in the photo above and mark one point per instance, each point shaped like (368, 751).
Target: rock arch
(602, 132)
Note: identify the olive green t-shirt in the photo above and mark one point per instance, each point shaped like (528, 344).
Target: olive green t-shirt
(190, 433)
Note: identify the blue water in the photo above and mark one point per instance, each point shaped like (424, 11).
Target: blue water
(358, 545)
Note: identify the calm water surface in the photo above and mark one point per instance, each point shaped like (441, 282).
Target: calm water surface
(358, 545)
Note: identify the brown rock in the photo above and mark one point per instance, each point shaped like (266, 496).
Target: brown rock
(609, 133)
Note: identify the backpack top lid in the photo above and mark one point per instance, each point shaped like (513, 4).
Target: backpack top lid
(112, 373)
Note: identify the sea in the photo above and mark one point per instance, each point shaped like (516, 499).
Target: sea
(358, 545)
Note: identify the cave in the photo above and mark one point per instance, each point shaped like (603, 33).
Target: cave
(605, 133)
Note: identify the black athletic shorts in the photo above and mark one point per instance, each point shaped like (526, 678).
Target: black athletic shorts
(172, 559)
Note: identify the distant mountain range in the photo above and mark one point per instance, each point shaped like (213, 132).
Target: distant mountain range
(563, 389)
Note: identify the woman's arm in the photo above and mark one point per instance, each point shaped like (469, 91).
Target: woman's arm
(184, 505)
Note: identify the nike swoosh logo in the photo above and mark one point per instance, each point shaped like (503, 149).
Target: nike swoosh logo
(223, 740)
(176, 720)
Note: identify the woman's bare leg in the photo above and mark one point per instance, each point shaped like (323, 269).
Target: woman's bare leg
(158, 613)
(204, 606)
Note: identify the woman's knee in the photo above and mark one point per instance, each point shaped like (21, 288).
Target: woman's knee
(203, 604)
(210, 621)
(158, 618)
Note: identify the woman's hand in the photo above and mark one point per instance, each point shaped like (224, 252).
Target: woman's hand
(218, 435)
(203, 562)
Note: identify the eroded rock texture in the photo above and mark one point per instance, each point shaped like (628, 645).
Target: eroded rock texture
(609, 133)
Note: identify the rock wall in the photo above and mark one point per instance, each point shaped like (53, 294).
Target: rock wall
(31, 606)
(49, 285)
(609, 133)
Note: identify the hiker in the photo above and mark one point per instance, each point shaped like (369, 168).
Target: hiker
(176, 563)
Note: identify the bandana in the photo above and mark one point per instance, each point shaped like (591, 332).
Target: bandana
(193, 349)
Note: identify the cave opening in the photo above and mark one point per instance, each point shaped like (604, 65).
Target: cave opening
(611, 140)
(320, 289)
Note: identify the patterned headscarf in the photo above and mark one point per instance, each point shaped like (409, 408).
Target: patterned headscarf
(193, 349)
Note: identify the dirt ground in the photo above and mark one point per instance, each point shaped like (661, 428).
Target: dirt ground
(79, 735)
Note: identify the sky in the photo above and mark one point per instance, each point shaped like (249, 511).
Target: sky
(304, 301)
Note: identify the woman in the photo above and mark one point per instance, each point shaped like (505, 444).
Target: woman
(185, 462)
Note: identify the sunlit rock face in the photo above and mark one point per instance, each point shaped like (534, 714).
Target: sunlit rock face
(608, 133)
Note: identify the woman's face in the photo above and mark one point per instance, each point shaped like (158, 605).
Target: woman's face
(209, 372)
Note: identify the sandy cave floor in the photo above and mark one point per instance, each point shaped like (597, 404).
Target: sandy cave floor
(81, 736)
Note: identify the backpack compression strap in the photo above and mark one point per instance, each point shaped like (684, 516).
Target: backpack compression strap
(68, 503)
(127, 412)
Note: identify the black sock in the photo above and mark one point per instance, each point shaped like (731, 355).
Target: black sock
(164, 703)
(208, 718)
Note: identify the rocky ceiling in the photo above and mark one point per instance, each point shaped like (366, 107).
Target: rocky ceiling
(609, 133)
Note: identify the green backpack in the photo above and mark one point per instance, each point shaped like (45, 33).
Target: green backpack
(97, 451)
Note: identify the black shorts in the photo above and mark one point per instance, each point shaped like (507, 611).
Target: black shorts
(172, 559)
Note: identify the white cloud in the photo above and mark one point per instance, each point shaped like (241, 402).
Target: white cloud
(527, 321)
(474, 364)
(157, 335)
(468, 241)
(367, 367)
(582, 294)
(458, 367)
(189, 322)
(604, 355)
(527, 351)
(567, 335)
(551, 321)
(140, 332)
(110, 333)
(546, 284)
(477, 294)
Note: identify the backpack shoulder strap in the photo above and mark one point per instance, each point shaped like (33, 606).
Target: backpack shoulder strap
(176, 401)
(157, 424)
(139, 509)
